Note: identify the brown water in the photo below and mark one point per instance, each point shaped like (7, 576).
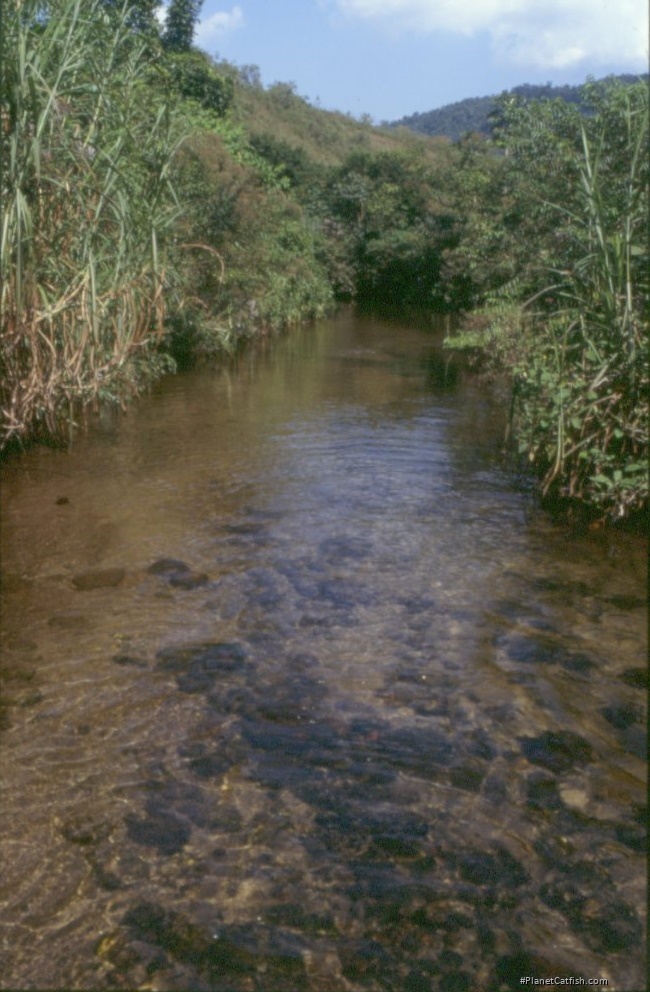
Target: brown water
(377, 725)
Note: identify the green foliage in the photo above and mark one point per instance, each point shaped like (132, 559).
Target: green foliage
(180, 22)
(284, 95)
(126, 234)
(327, 137)
(291, 162)
(140, 15)
(251, 261)
(276, 278)
(382, 214)
(476, 114)
(193, 75)
(86, 207)
(569, 320)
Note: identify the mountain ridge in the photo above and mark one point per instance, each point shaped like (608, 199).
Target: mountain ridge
(453, 120)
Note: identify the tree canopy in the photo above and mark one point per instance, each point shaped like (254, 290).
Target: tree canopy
(180, 23)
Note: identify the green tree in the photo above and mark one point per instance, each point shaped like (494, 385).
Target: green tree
(193, 75)
(140, 14)
(396, 228)
(182, 16)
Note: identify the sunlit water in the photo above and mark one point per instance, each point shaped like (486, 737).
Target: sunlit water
(303, 693)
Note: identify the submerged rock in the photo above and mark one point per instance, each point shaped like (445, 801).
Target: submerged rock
(105, 578)
(633, 835)
(169, 930)
(467, 777)
(106, 880)
(556, 750)
(83, 829)
(487, 868)
(29, 698)
(223, 950)
(621, 717)
(576, 661)
(627, 603)
(217, 657)
(178, 573)
(635, 741)
(199, 666)
(638, 678)
(168, 566)
(533, 650)
(511, 968)
(605, 927)
(127, 660)
(159, 829)
(542, 792)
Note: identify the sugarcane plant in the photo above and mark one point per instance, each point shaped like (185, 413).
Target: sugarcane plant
(87, 210)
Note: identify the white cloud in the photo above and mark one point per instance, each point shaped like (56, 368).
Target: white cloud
(213, 27)
(542, 33)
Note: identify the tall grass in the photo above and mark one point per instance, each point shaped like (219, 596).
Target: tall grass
(569, 318)
(582, 403)
(87, 206)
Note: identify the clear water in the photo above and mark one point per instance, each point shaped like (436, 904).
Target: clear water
(379, 724)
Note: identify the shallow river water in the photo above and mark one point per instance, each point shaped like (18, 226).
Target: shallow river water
(302, 692)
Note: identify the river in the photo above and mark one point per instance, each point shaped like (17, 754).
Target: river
(302, 691)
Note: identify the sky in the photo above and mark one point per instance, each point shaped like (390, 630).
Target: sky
(390, 58)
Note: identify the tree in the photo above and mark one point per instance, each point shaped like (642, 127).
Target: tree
(194, 75)
(179, 26)
(141, 14)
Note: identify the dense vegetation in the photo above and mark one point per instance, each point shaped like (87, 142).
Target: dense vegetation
(474, 114)
(158, 205)
(557, 253)
(87, 209)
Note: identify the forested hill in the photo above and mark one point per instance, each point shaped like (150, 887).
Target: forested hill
(456, 119)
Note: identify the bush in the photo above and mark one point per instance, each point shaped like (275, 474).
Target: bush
(193, 76)
(572, 320)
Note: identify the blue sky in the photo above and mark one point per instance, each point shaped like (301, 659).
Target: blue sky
(389, 58)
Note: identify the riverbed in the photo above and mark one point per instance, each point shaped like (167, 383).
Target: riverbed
(303, 691)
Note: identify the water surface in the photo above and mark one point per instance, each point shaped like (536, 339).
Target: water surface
(302, 692)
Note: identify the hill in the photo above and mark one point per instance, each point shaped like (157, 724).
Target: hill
(326, 137)
(456, 119)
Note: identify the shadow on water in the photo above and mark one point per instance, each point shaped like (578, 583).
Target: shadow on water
(301, 693)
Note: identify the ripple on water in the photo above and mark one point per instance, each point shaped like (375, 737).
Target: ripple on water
(351, 719)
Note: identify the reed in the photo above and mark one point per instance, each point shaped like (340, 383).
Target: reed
(582, 403)
(87, 211)
(565, 275)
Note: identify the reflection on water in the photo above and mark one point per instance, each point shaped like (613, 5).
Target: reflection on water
(301, 694)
